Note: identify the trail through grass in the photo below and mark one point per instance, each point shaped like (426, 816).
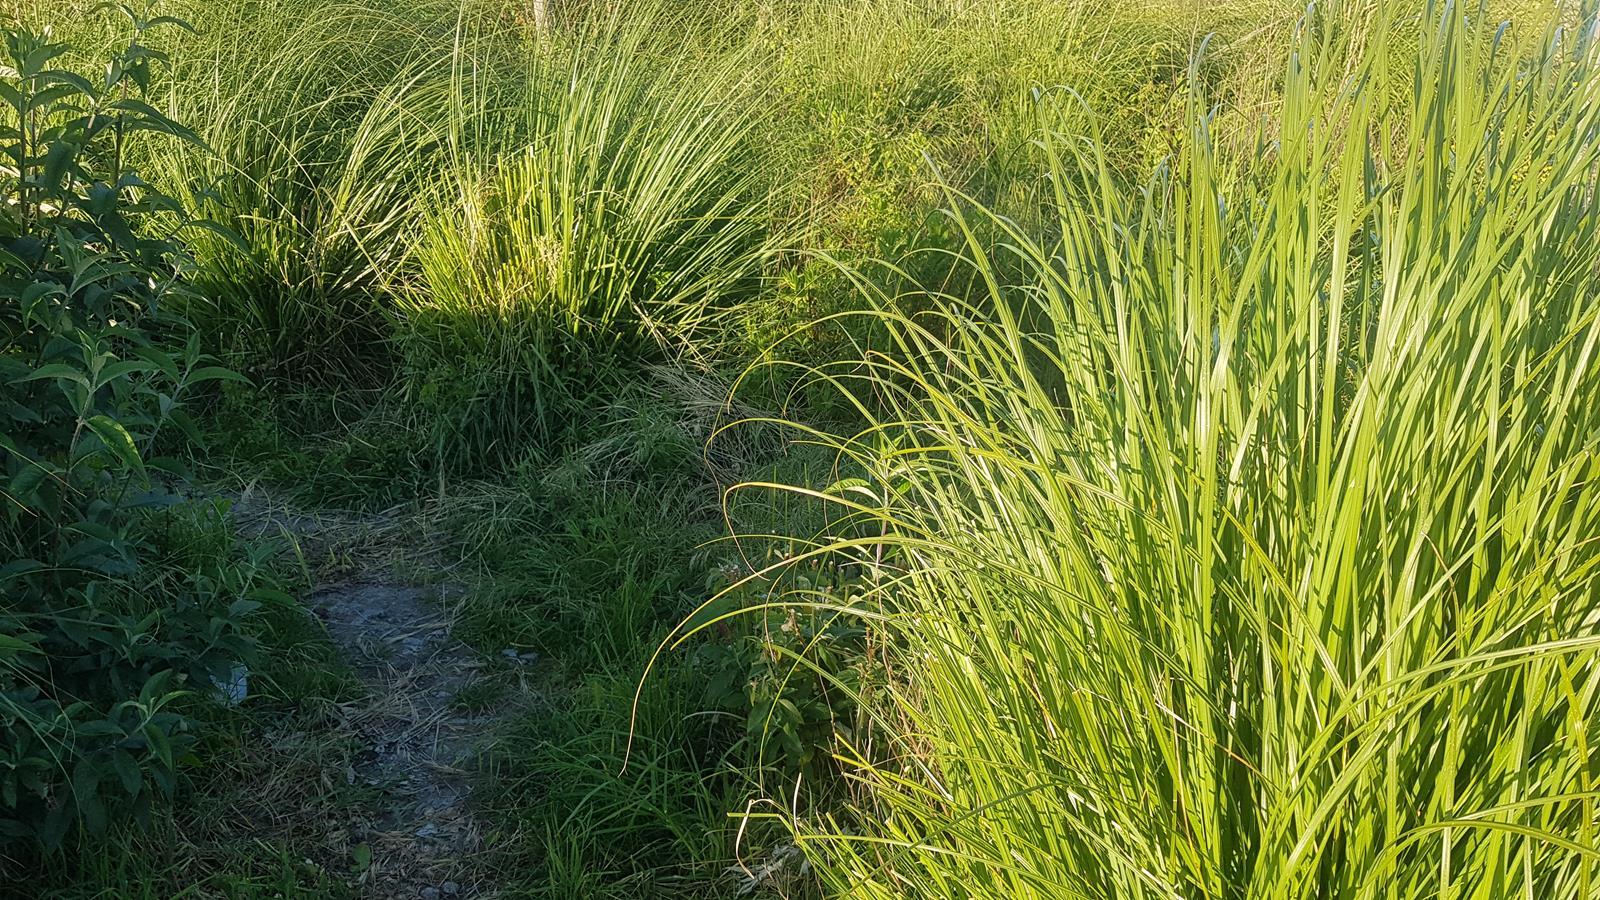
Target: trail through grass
(820, 448)
(423, 838)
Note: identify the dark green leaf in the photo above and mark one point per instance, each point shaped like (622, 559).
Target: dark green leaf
(118, 441)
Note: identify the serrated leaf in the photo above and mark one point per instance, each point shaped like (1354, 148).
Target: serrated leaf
(56, 822)
(159, 359)
(128, 772)
(13, 646)
(186, 424)
(170, 20)
(73, 79)
(25, 482)
(86, 794)
(20, 567)
(147, 118)
(122, 369)
(98, 728)
(171, 466)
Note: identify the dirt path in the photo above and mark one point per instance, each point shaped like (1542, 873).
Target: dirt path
(418, 746)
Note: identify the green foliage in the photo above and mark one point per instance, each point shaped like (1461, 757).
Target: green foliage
(253, 818)
(319, 447)
(620, 222)
(606, 805)
(589, 557)
(1241, 534)
(1226, 535)
(319, 120)
(95, 651)
(794, 670)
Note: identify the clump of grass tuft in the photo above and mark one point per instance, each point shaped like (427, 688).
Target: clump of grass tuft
(623, 219)
(1242, 545)
(319, 120)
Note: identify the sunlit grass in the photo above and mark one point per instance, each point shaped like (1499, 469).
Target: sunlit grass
(622, 211)
(319, 121)
(1245, 545)
(1227, 527)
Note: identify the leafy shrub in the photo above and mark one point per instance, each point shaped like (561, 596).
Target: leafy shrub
(96, 652)
(794, 671)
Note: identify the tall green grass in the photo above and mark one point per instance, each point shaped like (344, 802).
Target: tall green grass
(867, 93)
(319, 121)
(618, 211)
(382, 161)
(955, 75)
(1231, 532)
(1245, 545)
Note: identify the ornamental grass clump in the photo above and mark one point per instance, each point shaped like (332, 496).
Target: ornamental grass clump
(1245, 544)
(615, 213)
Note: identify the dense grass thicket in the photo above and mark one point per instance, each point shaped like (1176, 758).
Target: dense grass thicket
(1239, 539)
(935, 448)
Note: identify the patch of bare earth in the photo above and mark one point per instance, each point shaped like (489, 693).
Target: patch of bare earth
(416, 746)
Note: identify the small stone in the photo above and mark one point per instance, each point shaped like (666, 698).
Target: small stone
(430, 893)
(428, 830)
(451, 888)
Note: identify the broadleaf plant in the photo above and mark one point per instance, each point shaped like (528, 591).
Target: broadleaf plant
(97, 660)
